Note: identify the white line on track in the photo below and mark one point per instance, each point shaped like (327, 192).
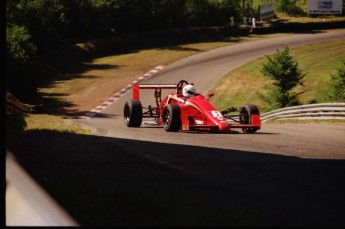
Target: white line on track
(117, 95)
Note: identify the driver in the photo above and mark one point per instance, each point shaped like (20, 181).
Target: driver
(189, 91)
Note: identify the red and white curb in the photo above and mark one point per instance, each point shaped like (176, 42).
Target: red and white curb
(119, 94)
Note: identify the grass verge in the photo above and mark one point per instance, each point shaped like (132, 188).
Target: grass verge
(241, 85)
(22, 123)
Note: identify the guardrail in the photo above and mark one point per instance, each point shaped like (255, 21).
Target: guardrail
(310, 111)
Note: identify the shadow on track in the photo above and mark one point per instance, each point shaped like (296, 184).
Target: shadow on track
(110, 181)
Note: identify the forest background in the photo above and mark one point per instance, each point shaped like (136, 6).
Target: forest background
(37, 27)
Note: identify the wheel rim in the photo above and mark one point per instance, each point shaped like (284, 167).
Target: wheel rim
(126, 114)
(166, 118)
(244, 119)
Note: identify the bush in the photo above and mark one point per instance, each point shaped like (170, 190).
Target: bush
(285, 72)
(21, 60)
(335, 90)
(290, 8)
(19, 47)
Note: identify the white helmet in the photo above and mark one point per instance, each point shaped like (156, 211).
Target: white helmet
(188, 91)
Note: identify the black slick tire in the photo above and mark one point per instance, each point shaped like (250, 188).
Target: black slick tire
(133, 113)
(245, 117)
(171, 118)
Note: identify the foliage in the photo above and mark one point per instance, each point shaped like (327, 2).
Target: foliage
(53, 22)
(44, 19)
(286, 75)
(21, 58)
(291, 7)
(249, 9)
(335, 91)
(20, 50)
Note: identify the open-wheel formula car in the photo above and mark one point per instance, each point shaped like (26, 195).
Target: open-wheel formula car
(184, 109)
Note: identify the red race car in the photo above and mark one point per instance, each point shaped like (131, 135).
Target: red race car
(184, 109)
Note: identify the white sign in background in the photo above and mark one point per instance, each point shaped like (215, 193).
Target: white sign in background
(267, 10)
(325, 6)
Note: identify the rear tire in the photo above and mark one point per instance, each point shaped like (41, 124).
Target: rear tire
(171, 118)
(133, 113)
(246, 113)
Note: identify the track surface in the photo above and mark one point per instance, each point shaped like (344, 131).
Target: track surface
(284, 175)
(205, 70)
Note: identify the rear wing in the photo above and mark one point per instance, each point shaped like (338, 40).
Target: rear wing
(137, 87)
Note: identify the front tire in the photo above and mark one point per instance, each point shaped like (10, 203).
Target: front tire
(171, 118)
(133, 113)
(246, 113)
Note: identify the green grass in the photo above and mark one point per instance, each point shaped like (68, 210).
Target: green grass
(241, 85)
(34, 122)
(319, 62)
(51, 122)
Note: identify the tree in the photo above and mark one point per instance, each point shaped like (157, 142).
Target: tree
(335, 91)
(21, 58)
(286, 75)
(198, 12)
(290, 7)
(44, 19)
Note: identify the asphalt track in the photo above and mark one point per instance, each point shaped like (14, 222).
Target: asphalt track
(283, 175)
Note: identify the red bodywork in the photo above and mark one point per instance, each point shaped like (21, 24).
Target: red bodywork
(197, 113)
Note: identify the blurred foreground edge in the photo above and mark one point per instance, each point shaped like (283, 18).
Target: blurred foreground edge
(27, 204)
